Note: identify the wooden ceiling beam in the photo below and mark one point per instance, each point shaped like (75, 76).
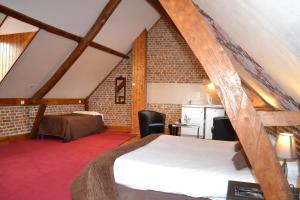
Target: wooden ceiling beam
(37, 120)
(108, 50)
(29, 20)
(280, 118)
(14, 101)
(239, 108)
(27, 101)
(1, 23)
(82, 45)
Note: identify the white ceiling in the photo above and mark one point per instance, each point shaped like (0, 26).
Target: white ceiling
(84, 76)
(36, 65)
(12, 26)
(47, 51)
(129, 19)
(268, 31)
(75, 16)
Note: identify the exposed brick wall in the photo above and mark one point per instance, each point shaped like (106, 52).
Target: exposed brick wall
(172, 111)
(170, 60)
(103, 100)
(14, 120)
(19, 119)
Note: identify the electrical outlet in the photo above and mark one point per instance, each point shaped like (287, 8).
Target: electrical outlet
(22, 102)
(79, 101)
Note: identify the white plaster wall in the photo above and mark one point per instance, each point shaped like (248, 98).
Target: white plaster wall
(268, 30)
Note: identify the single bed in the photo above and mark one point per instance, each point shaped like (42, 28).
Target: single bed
(71, 126)
(165, 167)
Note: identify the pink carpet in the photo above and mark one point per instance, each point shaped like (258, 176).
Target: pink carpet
(43, 170)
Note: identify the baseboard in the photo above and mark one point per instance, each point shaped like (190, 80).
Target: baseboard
(118, 128)
(125, 129)
(14, 138)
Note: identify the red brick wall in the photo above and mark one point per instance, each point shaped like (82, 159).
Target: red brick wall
(103, 99)
(19, 119)
(170, 60)
(14, 120)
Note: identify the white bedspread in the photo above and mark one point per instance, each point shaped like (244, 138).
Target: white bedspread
(194, 167)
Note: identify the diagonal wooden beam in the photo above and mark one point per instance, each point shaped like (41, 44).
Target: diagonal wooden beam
(55, 30)
(280, 118)
(241, 112)
(38, 118)
(83, 44)
(108, 50)
(1, 23)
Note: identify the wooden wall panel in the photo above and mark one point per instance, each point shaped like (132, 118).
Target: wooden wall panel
(139, 79)
(11, 47)
(239, 108)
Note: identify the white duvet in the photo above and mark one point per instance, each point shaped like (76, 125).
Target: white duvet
(193, 167)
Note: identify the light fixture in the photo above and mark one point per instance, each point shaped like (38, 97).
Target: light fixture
(211, 86)
(286, 149)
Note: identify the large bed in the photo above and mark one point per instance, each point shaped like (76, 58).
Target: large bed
(71, 126)
(164, 167)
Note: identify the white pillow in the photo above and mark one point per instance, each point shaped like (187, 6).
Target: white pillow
(94, 113)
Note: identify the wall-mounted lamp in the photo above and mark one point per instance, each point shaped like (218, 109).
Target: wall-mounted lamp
(211, 86)
(286, 149)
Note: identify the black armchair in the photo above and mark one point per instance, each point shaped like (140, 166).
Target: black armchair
(223, 130)
(151, 122)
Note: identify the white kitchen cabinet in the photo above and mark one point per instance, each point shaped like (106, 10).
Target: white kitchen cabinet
(196, 116)
(202, 116)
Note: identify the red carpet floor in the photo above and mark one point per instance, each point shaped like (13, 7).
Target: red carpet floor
(43, 170)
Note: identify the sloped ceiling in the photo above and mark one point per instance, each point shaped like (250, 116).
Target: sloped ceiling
(12, 26)
(84, 76)
(267, 33)
(47, 51)
(36, 65)
(126, 23)
(75, 16)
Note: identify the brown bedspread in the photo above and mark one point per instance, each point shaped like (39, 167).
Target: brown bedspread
(70, 126)
(96, 181)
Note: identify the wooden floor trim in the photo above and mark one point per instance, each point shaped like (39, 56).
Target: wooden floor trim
(14, 138)
(118, 128)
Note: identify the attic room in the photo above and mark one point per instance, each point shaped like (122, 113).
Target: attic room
(149, 99)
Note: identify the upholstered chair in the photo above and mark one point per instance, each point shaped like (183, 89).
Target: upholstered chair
(223, 130)
(151, 122)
